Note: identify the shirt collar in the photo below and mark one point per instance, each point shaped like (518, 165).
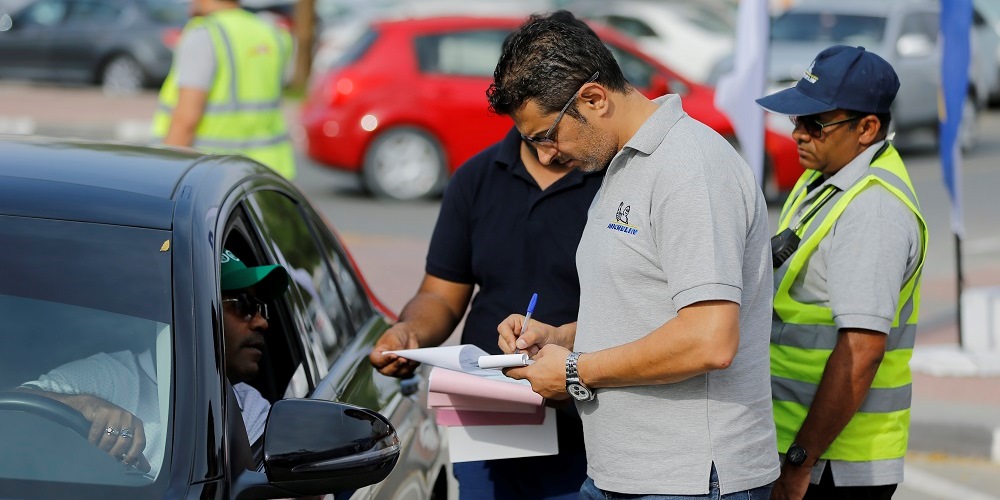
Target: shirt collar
(655, 128)
(854, 170)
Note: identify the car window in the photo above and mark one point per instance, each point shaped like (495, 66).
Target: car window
(630, 26)
(828, 27)
(92, 11)
(466, 53)
(921, 23)
(638, 72)
(45, 13)
(87, 311)
(707, 18)
(359, 307)
(167, 11)
(328, 327)
(357, 49)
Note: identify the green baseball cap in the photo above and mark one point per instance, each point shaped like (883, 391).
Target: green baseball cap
(270, 281)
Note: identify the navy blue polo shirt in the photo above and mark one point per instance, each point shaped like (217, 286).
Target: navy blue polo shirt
(498, 230)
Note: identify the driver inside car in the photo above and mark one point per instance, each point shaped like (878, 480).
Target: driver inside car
(117, 393)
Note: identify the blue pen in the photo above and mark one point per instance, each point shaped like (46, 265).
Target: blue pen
(524, 326)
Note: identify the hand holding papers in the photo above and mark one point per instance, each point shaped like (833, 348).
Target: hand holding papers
(488, 415)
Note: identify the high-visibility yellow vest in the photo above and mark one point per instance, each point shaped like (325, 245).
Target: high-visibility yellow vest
(243, 111)
(804, 335)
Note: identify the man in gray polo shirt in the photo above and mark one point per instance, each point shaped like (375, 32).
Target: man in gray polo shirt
(670, 372)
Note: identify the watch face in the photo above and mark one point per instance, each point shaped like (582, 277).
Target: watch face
(579, 392)
(796, 455)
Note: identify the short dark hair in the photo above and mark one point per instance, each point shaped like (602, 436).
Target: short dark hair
(547, 59)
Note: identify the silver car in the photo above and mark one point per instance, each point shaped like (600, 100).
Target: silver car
(904, 33)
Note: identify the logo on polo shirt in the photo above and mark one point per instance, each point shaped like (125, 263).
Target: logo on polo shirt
(621, 220)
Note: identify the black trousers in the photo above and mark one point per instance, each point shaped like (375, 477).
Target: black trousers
(826, 490)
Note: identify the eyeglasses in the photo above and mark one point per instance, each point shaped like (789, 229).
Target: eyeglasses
(248, 306)
(814, 127)
(546, 139)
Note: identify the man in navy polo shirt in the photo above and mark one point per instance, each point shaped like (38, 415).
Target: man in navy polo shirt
(511, 226)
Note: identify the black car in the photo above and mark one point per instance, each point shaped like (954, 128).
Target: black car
(116, 249)
(122, 44)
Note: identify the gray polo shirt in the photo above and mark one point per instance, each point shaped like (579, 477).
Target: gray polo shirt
(679, 219)
(858, 270)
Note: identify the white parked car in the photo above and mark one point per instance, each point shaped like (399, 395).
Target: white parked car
(689, 36)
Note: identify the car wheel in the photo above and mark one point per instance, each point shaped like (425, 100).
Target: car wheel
(122, 75)
(970, 124)
(404, 164)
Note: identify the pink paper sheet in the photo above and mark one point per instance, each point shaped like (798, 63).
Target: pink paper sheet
(450, 417)
(464, 384)
(442, 400)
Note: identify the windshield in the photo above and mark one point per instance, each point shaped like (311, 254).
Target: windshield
(173, 12)
(828, 28)
(85, 365)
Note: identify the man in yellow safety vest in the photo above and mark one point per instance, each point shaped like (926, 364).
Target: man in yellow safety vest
(848, 254)
(223, 93)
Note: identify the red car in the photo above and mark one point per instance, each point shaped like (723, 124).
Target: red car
(406, 104)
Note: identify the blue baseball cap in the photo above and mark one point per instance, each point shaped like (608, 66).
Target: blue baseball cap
(840, 77)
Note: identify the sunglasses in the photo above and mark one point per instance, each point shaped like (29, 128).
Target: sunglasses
(248, 306)
(546, 140)
(814, 127)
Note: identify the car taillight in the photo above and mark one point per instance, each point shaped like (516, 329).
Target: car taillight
(338, 89)
(170, 37)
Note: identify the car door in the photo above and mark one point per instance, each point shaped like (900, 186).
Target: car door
(917, 55)
(338, 327)
(25, 48)
(77, 48)
(455, 69)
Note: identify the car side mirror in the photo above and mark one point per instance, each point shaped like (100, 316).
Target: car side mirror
(914, 45)
(314, 447)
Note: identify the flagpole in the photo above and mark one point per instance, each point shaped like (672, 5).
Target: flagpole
(961, 284)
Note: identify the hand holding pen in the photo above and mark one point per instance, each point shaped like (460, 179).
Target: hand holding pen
(524, 325)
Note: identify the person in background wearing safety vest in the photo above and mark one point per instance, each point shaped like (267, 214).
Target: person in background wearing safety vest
(223, 93)
(848, 254)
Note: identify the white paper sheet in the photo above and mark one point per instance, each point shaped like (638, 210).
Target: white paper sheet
(462, 358)
(489, 442)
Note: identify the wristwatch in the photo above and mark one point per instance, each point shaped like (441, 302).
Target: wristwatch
(574, 386)
(796, 455)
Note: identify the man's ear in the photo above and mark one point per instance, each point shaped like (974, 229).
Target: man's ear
(870, 127)
(594, 97)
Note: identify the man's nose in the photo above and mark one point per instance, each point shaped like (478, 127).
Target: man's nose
(547, 154)
(258, 322)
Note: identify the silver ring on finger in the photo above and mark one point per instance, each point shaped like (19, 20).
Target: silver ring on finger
(126, 433)
(111, 431)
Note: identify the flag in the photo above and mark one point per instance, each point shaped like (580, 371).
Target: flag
(737, 90)
(956, 20)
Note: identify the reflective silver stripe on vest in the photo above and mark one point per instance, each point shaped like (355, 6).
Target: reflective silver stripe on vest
(238, 144)
(232, 63)
(282, 50)
(893, 180)
(878, 400)
(825, 336)
(232, 107)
